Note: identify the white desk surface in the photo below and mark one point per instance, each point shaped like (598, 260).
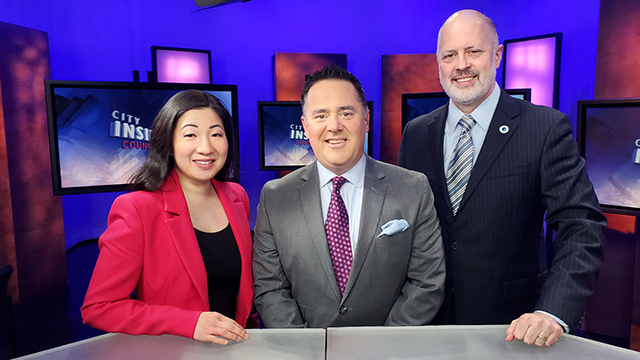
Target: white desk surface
(280, 344)
(371, 343)
(458, 342)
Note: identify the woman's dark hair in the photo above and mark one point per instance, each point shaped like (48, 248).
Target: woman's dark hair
(160, 162)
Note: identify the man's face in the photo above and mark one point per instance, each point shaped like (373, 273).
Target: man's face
(335, 123)
(467, 62)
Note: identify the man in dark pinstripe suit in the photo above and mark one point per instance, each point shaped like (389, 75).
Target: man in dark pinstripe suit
(524, 163)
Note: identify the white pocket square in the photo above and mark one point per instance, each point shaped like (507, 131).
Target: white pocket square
(394, 227)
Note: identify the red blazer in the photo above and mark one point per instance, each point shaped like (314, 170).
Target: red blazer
(150, 246)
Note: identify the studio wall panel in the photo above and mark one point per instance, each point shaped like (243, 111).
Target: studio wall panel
(617, 72)
(289, 70)
(411, 73)
(31, 214)
(617, 76)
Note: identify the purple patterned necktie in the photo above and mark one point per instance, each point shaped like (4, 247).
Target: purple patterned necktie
(337, 230)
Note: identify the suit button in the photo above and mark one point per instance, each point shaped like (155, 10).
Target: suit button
(344, 310)
(454, 245)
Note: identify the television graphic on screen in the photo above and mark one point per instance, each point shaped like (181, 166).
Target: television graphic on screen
(416, 104)
(608, 135)
(99, 132)
(283, 143)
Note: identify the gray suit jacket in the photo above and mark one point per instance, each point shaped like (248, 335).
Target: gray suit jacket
(394, 280)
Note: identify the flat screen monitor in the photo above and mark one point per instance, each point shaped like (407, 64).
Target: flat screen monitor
(416, 104)
(283, 144)
(522, 94)
(608, 135)
(534, 62)
(99, 131)
(179, 65)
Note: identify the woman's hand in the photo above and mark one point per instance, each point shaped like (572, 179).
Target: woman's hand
(212, 325)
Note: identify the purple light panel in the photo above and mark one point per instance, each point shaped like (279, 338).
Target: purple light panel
(176, 66)
(531, 64)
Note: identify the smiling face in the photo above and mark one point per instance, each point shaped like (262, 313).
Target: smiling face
(468, 57)
(199, 146)
(335, 123)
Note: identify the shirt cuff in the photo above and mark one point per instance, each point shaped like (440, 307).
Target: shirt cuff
(557, 319)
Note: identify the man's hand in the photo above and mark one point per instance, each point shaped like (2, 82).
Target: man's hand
(535, 328)
(212, 325)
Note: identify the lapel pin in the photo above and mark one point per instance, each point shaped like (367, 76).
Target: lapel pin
(504, 129)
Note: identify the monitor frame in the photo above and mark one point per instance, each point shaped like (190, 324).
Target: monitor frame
(581, 137)
(261, 146)
(526, 93)
(52, 85)
(556, 61)
(154, 60)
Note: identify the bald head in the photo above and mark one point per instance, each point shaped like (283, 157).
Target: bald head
(466, 18)
(468, 57)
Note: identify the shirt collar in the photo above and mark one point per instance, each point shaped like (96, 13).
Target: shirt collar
(355, 175)
(482, 114)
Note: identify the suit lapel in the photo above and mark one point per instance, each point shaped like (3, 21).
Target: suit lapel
(373, 196)
(237, 216)
(494, 142)
(435, 137)
(184, 238)
(309, 193)
(236, 213)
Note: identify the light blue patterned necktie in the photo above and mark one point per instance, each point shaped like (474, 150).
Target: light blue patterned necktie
(461, 163)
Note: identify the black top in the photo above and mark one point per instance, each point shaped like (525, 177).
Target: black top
(223, 264)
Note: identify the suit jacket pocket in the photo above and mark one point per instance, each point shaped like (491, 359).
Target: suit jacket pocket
(303, 312)
(502, 171)
(523, 288)
(395, 239)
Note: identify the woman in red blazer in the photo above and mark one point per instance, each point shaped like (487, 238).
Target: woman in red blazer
(182, 242)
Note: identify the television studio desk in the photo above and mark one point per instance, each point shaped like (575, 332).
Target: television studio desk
(265, 344)
(370, 343)
(460, 343)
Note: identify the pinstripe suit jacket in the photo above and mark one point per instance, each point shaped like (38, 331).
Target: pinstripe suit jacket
(495, 247)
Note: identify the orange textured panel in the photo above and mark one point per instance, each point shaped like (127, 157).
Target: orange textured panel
(290, 70)
(623, 223)
(37, 224)
(635, 338)
(412, 73)
(617, 64)
(7, 240)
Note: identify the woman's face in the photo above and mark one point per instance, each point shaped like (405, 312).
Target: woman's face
(199, 145)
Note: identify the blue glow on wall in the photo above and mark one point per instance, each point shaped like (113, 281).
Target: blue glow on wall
(106, 41)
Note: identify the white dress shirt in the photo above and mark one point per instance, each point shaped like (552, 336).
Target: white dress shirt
(351, 192)
(482, 115)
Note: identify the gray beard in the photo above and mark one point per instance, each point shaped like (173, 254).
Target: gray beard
(468, 96)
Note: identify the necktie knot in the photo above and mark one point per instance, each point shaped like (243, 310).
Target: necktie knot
(466, 122)
(338, 181)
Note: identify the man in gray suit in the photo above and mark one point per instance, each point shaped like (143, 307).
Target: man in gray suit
(386, 266)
